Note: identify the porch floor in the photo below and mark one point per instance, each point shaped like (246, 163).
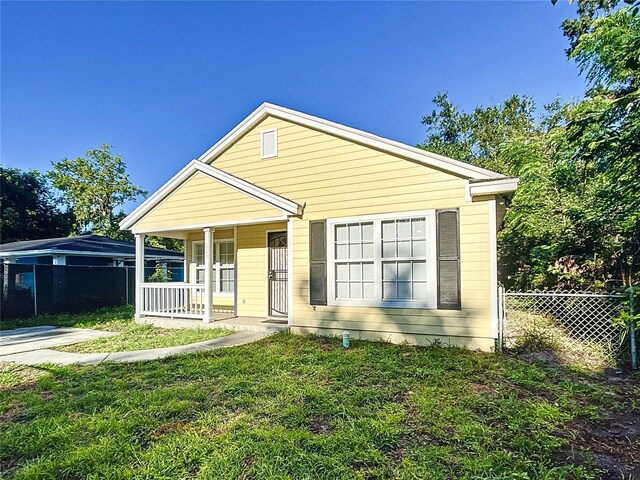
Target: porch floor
(219, 320)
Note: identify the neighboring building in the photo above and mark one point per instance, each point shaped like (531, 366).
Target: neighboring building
(90, 250)
(331, 228)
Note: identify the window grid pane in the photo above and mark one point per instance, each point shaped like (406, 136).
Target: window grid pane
(198, 253)
(200, 275)
(227, 280)
(354, 280)
(354, 241)
(405, 238)
(226, 253)
(404, 280)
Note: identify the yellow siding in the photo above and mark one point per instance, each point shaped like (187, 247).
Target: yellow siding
(202, 200)
(470, 326)
(336, 178)
(251, 266)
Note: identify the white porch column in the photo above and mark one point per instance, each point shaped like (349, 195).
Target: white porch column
(185, 274)
(139, 272)
(208, 273)
(290, 270)
(235, 271)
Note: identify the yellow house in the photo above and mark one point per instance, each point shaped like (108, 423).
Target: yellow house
(294, 218)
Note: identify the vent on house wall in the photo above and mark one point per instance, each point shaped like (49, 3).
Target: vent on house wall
(269, 143)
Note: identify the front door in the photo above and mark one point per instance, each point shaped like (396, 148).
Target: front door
(277, 274)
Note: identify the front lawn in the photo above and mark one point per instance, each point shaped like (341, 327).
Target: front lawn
(132, 336)
(292, 407)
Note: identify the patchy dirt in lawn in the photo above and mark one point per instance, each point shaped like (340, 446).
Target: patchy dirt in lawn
(320, 426)
(13, 375)
(613, 444)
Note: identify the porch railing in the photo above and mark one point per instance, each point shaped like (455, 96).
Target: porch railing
(173, 299)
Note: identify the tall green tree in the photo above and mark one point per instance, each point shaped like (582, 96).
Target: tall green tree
(574, 221)
(477, 137)
(94, 186)
(604, 129)
(28, 207)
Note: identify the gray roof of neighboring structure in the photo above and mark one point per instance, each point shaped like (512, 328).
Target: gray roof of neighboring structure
(85, 245)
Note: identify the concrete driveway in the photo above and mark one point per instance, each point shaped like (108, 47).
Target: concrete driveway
(36, 338)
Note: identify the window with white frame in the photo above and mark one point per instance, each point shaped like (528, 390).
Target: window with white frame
(223, 277)
(385, 260)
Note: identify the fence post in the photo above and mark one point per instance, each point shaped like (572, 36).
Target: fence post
(35, 295)
(632, 329)
(126, 285)
(500, 318)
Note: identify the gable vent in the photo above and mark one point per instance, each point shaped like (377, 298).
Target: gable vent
(269, 143)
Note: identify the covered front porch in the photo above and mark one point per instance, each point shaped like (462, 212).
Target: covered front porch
(235, 276)
(237, 241)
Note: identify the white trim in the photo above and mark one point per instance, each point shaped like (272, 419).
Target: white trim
(430, 303)
(198, 226)
(359, 136)
(208, 272)
(262, 133)
(195, 166)
(235, 278)
(290, 270)
(493, 266)
(490, 187)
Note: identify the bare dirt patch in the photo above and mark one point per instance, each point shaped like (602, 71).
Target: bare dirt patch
(613, 444)
(320, 426)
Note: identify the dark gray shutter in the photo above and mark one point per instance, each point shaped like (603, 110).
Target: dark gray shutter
(448, 253)
(318, 262)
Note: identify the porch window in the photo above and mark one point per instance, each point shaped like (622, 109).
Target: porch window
(385, 260)
(223, 265)
(198, 258)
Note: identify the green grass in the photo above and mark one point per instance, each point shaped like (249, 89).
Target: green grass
(142, 337)
(131, 336)
(293, 407)
(99, 319)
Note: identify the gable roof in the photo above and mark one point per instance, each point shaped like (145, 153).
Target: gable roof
(359, 136)
(88, 245)
(195, 166)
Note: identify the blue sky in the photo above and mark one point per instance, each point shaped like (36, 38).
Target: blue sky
(162, 82)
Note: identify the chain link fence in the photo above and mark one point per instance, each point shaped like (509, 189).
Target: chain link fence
(577, 325)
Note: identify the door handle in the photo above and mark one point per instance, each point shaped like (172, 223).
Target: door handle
(272, 274)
